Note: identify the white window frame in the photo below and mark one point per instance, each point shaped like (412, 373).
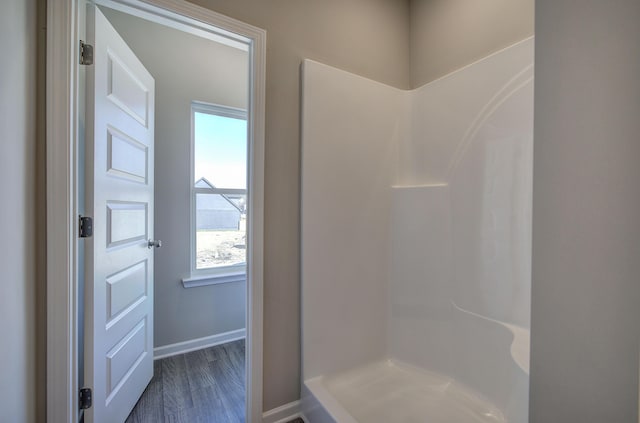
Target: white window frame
(219, 274)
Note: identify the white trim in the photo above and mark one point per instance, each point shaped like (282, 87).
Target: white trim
(62, 360)
(205, 280)
(62, 103)
(218, 110)
(284, 413)
(168, 20)
(198, 344)
(224, 191)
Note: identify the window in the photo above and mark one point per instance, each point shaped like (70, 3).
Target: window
(219, 190)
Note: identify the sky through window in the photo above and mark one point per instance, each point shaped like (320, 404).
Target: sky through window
(220, 153)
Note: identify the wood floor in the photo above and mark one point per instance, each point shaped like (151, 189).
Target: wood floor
(205, 386)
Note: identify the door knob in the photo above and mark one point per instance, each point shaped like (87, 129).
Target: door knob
(154, 243)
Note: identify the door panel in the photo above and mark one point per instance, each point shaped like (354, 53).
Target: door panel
(125, 90)
(119, 196)
(126, 222)
(125, 357)
(127, 158)
(125, 289)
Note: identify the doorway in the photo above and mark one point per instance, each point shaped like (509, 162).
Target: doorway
(225, 302)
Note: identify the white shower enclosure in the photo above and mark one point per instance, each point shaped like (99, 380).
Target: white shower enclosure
(416, 244)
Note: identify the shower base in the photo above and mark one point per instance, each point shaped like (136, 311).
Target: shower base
(390, 391)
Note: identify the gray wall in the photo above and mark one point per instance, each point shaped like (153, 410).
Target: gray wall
(586, 210)
(449, 34)
(185, 68)
(21, 179)
(367, 37)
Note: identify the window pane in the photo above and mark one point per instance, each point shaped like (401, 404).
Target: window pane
(220, 150)
(221, 222)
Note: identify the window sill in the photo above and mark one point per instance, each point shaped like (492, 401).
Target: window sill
(204, 280)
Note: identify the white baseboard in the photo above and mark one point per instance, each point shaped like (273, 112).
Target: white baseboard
(197, 344)
(283, 414)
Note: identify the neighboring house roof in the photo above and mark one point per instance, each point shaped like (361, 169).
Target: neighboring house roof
(204, 183)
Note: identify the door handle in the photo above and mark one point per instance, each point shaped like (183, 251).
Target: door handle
(154, 243)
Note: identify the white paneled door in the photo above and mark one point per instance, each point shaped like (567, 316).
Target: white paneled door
(119, 197)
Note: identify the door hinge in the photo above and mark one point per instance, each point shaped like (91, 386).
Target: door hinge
(85, 398)
(86, 53)
(85, 229)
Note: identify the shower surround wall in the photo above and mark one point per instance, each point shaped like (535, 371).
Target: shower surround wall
(416, 237)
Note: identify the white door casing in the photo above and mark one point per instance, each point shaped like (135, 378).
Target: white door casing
(119, 197)
(62, 133)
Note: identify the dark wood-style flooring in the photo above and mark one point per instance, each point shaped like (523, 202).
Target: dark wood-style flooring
(204, 386)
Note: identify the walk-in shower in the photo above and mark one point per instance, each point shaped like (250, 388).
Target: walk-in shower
(416, 244)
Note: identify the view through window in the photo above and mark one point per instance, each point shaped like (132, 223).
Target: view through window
(220, 187)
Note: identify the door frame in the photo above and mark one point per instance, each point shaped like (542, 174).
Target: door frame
(62, 109)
